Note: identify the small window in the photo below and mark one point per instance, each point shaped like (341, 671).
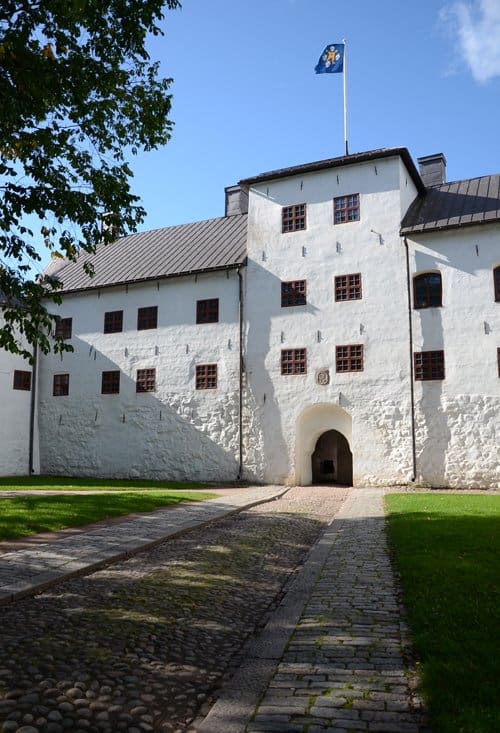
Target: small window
(22, 380)
(346, 208)
(113, 322)
(110, 383)
(427, 290)
(349, 358)
(207, 311)
(498, 360)
(348, 287)
(63, 328)
(429, 365)
(146, 380)
(496, 283)
(293, 361)
(61, 385)
(293, 293)
(147, 318)
(293, 218)
(206, 376)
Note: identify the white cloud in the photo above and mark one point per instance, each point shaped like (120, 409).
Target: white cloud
(476, 27)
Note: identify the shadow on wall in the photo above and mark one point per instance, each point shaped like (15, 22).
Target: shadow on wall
(156, 435)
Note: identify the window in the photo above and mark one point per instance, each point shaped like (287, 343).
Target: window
(427, 290)
(293, 293)
(349, 358)
(110, 383)
(429, 365)
(293, 218)
(293, 361)
(498, 360)
(61, 385)
(206, 376)
(147, 318)
(496, 283)
(63, 328)
(146, 380)
(346, 208)
(207, 311)
(22, 380)
(348, 287)
(113, 322)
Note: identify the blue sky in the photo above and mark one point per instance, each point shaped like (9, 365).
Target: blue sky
(424, 75)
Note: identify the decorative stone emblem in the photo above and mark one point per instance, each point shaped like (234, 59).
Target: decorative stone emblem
(323, 376)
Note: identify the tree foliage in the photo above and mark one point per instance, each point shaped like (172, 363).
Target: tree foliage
(78, 94)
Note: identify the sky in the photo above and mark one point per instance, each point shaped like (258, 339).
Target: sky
(422, 74)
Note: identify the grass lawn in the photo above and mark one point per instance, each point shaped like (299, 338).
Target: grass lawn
(63, 483)
(22, 516)
(447, 548)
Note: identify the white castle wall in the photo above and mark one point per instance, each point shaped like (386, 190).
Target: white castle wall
(177, 432)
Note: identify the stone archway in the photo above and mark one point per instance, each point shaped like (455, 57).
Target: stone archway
(331, 461)
(311, 424)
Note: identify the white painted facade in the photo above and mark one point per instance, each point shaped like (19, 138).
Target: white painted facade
(260, 424)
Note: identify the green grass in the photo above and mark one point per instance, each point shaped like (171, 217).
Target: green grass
(63, 483)
(447, 548)
(22, 516)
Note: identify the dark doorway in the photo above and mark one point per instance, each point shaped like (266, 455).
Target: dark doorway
(332, 459)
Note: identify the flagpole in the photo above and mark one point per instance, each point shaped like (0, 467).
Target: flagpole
(345, 97)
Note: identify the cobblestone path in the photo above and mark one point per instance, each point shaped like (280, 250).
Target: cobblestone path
(347, 667)
(145, 644)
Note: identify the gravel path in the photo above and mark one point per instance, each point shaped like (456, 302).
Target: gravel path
(145, 644)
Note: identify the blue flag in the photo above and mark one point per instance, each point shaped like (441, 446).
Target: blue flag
(331, 60)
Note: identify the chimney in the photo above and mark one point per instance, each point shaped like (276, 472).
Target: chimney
(236, 200)
(433, 169)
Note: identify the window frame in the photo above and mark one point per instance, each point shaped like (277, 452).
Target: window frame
(60, 385)
(427, 303)
(349, 358)
(294, 218)
(206, 376)
(350, 287)
(145, 380)
(64, 328)
(346, 209)
(22, 380)
(110, 382)
(296, 365)
(431, 367)
(147, 318)
(113, 322)
(293, 291)
(207, 310)
(496, 283)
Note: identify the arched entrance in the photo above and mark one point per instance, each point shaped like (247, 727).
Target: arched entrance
(331, 461)
(314, 422)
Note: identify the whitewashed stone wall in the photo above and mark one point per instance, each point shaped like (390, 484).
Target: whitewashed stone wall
(177, 432)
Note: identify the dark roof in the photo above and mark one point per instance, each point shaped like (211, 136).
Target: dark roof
(450, 205)
(10, 301)
(215, 244)
(353, 159)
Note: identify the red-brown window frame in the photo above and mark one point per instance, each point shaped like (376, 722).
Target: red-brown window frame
(429, 365)
(346, 208)
(496, 283)
(60, 385)
(293, 218)
(110, 382)
(293, 292)
(207, 311)
(349, 358)
(430, 295)
(113, 322)
(63, 328)
(348, 287)
(147, 317)
(22, 380)
(206, 376)
(293, 361)
(145, 380)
